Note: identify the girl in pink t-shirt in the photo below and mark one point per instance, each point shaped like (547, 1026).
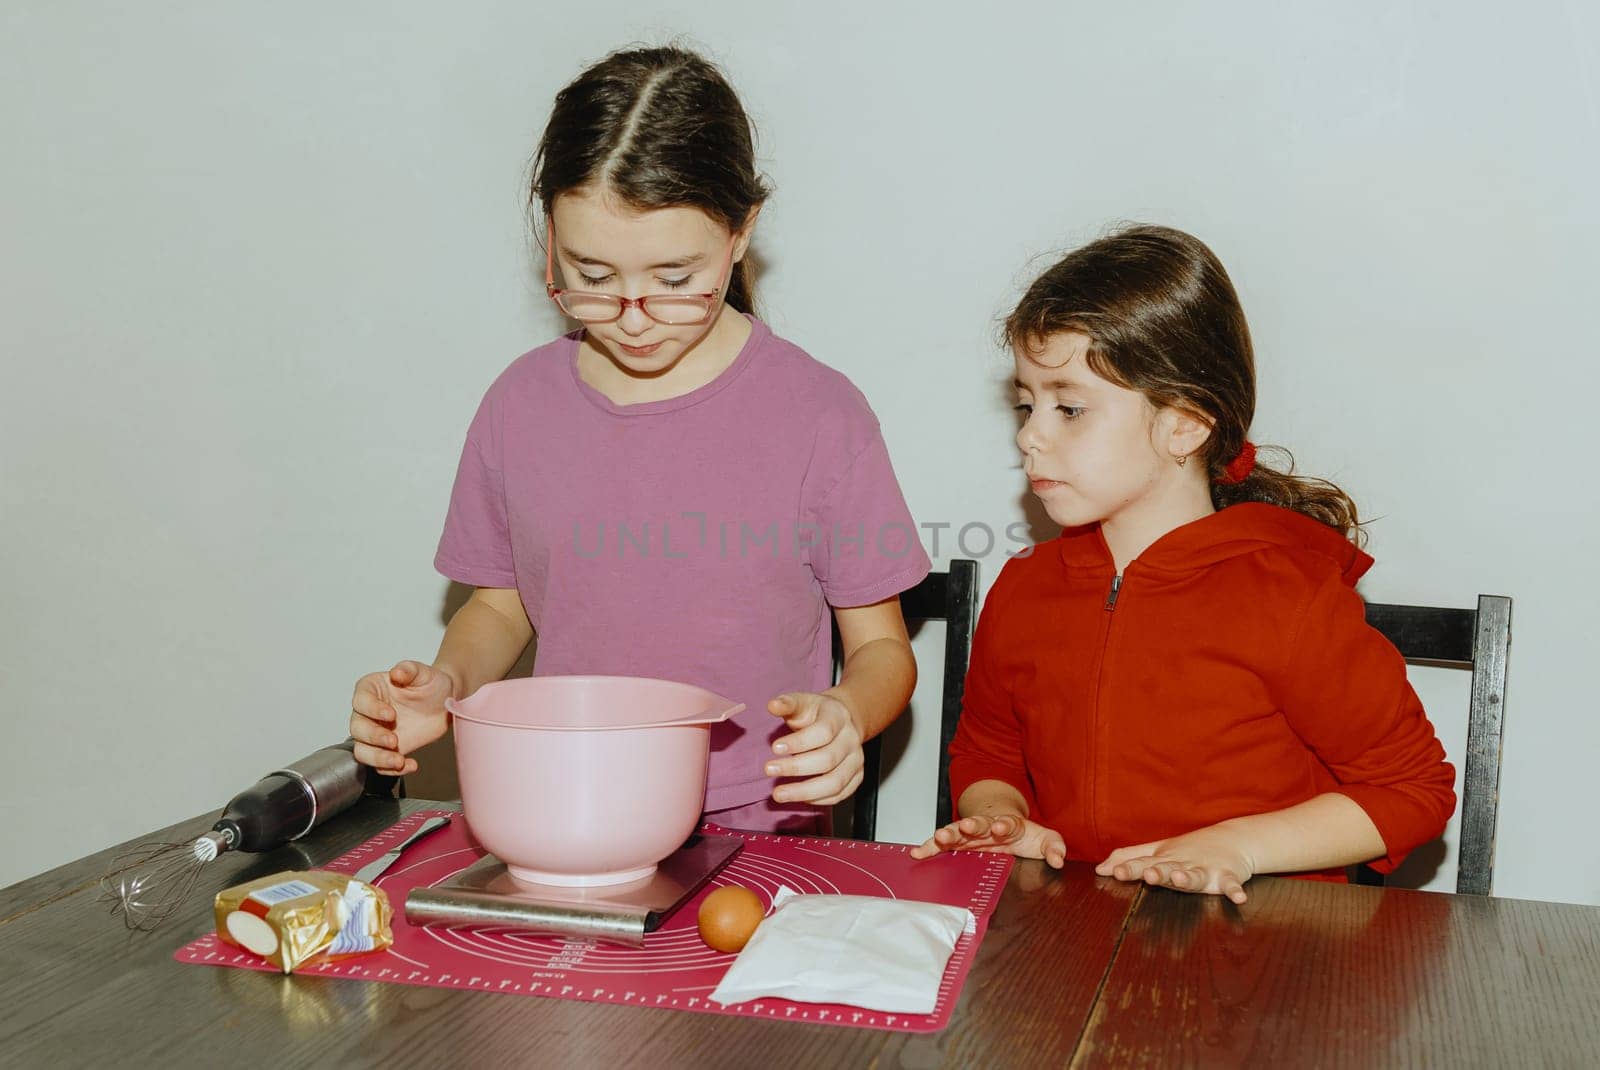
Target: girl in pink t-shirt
(671, 490)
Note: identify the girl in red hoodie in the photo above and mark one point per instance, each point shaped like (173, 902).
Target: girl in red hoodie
(1182, 687)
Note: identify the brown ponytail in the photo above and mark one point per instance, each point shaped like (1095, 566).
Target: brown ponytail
(1278, 485)
(1163, 318)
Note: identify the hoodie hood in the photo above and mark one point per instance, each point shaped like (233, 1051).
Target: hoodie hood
(1236, 531)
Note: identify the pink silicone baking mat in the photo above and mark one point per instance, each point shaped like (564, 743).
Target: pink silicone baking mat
(674, 968)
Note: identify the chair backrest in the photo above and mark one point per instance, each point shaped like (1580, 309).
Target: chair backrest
(1478, 640)
(952, 597)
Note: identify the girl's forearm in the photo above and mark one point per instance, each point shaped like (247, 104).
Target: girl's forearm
(483, 640)
(991, 798)
(876, 683)
(1322, 833)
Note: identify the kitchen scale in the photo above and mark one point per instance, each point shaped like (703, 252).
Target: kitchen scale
(485, 893)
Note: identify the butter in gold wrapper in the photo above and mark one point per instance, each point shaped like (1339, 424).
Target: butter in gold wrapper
(297, 916)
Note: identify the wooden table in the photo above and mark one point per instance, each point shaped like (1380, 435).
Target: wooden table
(1075, 970)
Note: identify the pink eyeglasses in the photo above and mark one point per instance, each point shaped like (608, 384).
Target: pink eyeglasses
(588, 306)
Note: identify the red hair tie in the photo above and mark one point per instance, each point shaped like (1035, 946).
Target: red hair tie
(1239, 469)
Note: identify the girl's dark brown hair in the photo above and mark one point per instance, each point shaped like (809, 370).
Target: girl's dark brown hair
(657, 128)
(1162, 318)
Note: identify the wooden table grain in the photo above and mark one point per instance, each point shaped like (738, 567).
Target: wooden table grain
(1311, 974)
(77, 989)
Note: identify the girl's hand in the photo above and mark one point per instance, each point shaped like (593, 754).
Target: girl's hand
(393, 713)
(825, 747)
(1005, 833)
(1209, 861)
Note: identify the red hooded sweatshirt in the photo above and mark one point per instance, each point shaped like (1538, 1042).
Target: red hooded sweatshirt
(1229, 671)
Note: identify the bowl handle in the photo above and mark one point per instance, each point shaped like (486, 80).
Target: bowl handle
(720, 715)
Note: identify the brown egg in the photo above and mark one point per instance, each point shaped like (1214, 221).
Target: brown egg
(729, 916)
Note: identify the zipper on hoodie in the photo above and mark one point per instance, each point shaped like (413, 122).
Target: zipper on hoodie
(1095, 730)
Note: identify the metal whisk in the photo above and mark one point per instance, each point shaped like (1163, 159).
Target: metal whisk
(149, 883)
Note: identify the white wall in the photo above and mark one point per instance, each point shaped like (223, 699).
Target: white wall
(259, 263)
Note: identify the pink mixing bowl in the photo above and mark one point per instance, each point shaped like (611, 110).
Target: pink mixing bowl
(584, 780)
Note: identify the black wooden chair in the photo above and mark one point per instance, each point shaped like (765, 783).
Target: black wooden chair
(1478, 640)
(952, 597)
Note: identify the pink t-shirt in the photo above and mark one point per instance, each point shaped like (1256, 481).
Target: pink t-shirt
(700, 539)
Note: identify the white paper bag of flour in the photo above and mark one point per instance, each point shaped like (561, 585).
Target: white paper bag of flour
(860, 950)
